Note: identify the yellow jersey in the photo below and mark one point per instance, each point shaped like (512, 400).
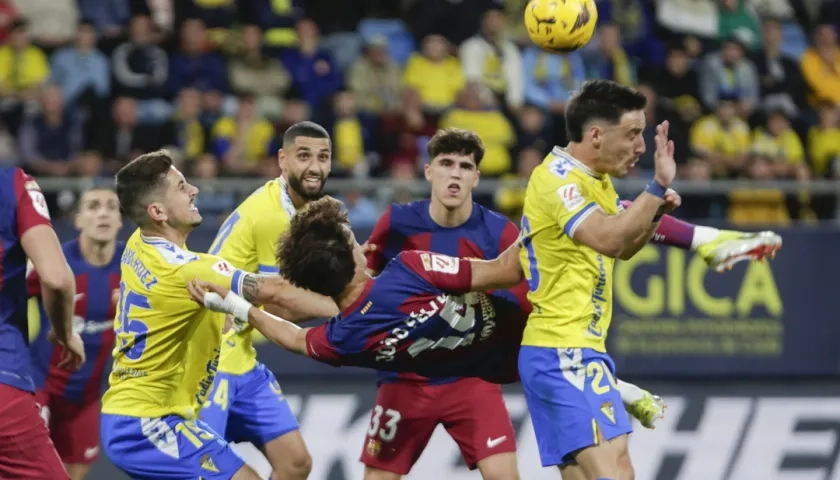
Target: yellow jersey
(248, 240)
(167, 346)
(570, 284)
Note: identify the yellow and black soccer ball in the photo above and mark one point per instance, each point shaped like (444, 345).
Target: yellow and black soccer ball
(561, 26)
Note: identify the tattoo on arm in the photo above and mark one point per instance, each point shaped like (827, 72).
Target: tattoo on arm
(251, 286)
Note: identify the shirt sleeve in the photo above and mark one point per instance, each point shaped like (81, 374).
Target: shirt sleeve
(264, 244)
(570, 204)
(32, 207)
(376, 259)
(235, 242)
(318, 345)
(449, 274)
(510, 235)
(215, 270)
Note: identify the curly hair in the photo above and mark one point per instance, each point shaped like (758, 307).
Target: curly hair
(316, 253)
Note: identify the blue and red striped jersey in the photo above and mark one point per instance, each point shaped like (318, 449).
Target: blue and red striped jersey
(93, 320)
(22, 206)
(417, 316)
(485, 235)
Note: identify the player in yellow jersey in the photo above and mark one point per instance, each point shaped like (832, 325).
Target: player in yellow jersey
(573, 229)
(247, 404)
(167, 346)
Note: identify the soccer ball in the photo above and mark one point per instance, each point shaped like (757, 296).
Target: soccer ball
(561, 26)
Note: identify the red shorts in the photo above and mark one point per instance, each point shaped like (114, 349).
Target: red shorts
(405, 416)
(26, 450)
(74, 427)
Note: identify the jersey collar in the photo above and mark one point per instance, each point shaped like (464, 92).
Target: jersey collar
(286, 199)
(562, 153)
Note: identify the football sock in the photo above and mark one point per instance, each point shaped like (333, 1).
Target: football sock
(672, 232)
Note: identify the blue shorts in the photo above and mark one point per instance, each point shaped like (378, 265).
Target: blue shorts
(248, 407)
(571, 394)
(167, 448)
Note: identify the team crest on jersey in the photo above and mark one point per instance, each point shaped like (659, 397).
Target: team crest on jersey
(208, 464)
(373, 447)
(571, 196)
(223, 267)
(440, 263)
(608, 410)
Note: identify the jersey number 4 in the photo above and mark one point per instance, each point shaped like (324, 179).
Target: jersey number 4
(130, 331)
(533, 269)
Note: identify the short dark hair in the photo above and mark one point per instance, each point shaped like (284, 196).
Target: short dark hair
(456, 141)
(139, 178)
(603, 100)
(304, 129)
(315, 253)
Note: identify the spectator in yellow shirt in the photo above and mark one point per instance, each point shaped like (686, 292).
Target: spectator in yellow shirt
(477, 111)
(750, 206)
(510, 198)
(824, 143)
(778, 141)
(821, 66)
(722, 139)
(23, 69)
(348, 137)
(435, 73)
(244, 142)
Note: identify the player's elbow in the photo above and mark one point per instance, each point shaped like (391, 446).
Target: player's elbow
(57, 277)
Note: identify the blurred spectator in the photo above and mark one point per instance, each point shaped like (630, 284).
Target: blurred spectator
(375, 79)
(736, 18)
(494, 61)
(653, 116)
(348, 137)
(211, 201)
(81, 68)
(195, 64)
(162, 13)
(8, 15)
(110, 17)
(729, 73)
(256, 75)
(242, 142)
(313, 73)
(435, 74)
(402, 172)
(551, 78)
(777, 141)
(457, 21)
(699, 205)
(635, 22)
(88, 164)
(140, 71)
(190, 133)
(477, 111)
(50, 141)
(218, 15)
(212, 105)
(52, 23)
(751, 206)
(722, 138)
(611, 61)
(676, 86)
(276, 19)
(23, 69)
(362, 212)
(781, 81)
(824, 143)
(295, 110)
(510, 198)
(533, 131)
(821, 66)
(403, 136)
(124, 138)
(692, 18)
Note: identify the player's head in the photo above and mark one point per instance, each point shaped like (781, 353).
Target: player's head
(320, 252)
(98, 218)
(454, 157)
(306, 158)
(608, 118)
(154, 194)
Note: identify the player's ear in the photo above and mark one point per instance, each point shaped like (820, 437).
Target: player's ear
(427, 171)
(477, 177)
(597, 134)
(77, 222)
(156, 212)
(281, 159)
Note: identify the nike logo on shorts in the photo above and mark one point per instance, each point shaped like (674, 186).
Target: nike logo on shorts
(495, 442)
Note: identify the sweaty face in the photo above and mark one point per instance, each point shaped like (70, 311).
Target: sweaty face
(622, 145)
(453, 177)
(306, 164)
(179, 202)
(99, 216)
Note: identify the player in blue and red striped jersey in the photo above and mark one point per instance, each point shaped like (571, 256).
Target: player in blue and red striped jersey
(70, 400)
(26, 450)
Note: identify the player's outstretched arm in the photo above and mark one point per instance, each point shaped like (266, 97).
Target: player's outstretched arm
(503, 272)
(286, 300)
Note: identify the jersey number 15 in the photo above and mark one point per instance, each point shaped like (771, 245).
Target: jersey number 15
(131, 332)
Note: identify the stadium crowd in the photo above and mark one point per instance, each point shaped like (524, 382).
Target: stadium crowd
(751, 87)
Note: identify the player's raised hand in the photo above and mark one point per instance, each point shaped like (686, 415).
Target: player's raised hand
(198, 288)
(73, 351)
(663, 157)
(672, 201)
(368, 248)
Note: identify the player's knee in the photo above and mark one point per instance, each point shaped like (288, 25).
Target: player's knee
(625, 467)
(372, 473)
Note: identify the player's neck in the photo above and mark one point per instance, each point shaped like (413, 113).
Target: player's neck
(167, 233)
(96, 253)
(352, 291)
(583, 154)
(450, 217)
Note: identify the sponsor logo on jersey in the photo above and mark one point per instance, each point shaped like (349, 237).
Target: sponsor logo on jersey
(39, 203)
(570, 196)
(223, 267)
(433, 262)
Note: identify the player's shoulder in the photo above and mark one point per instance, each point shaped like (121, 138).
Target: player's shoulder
(408, 216)
(492, 218)
(165, 252)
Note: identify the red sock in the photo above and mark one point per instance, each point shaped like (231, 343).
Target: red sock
(671, 231)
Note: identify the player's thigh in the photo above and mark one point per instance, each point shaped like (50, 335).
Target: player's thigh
(216, 409)
(78, 471)
(26, 450)
(402, 421)
(475, 416)
(259, 412)
(167, 448)
(573, 402)
(373, 473)
(74, 429)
